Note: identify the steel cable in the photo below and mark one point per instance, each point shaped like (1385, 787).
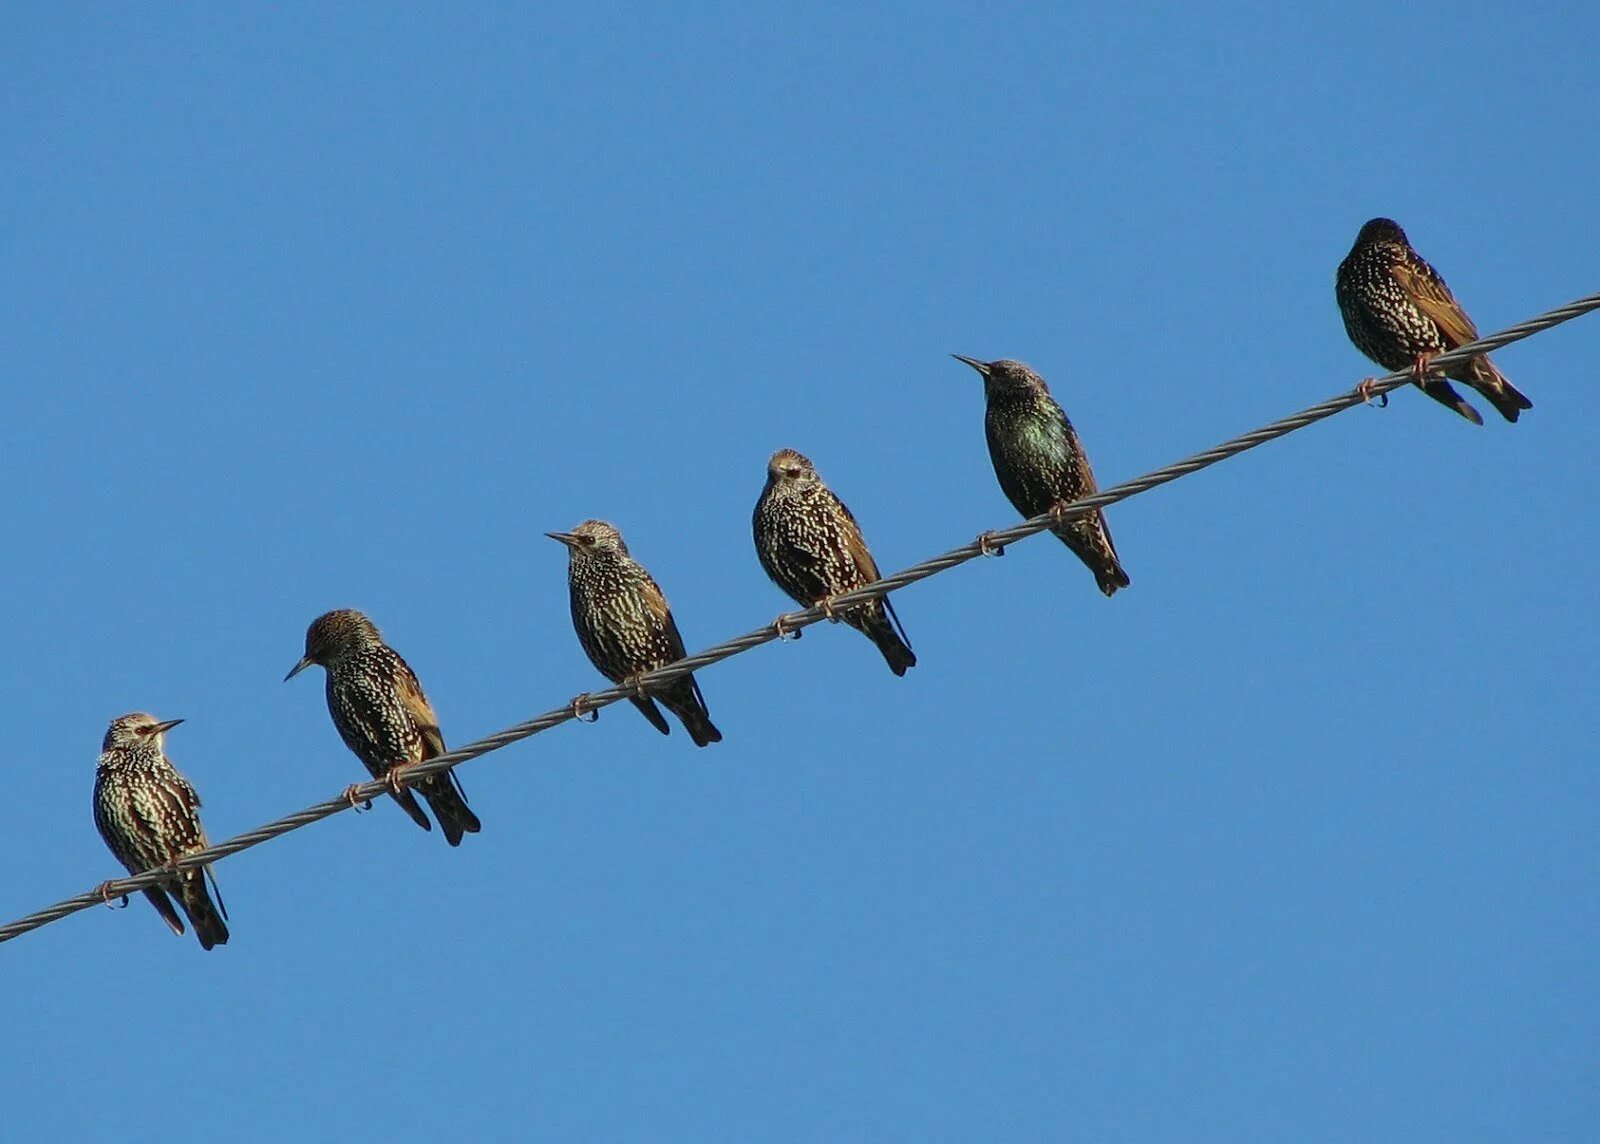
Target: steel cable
(986, 543)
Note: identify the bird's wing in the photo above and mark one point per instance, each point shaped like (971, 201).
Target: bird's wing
(856, 544)
(1431, 296)
(185, 789)
(655, 602)
(176, 805)
(420, 710)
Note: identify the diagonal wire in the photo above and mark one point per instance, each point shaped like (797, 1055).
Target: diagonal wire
(987, 543)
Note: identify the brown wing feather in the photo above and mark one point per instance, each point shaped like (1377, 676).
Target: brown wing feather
(421, 712)
(190, 798)
(1432, 297)
(856, 544)
(181, 828)
(655, 601)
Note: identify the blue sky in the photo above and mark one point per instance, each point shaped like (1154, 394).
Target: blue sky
(322, 307)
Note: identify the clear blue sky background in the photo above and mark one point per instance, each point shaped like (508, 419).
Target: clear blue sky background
(328, 307)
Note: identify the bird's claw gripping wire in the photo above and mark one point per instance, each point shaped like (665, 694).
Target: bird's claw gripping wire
(783, 631)
(1421, 368)
(1364, 391)
(352, 795)
(1058, 512)
(635, 684)
(987, 545)
(396, 780)
(103, 891)
(581, 707)
(825, 606)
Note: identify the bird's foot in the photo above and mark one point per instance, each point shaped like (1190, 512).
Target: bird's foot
(1364, 391)
(635, 684)
(987, 545)
(396, 780)
(103, 891)
(581, 707)
(825, 606)
(1058, 512)
(783, 631)
(352, 795)
(1420, 369)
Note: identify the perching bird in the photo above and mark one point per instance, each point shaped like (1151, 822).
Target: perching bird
(811, 546)
(1399, 312)
(382, 715)
(149, 816)
(1041, 462)
(625, 626)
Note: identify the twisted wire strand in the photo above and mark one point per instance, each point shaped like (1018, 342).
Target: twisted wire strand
(793, 622)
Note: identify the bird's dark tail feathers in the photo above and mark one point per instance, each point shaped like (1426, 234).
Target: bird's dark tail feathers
(1486, 378)
(1111, 580)
(1445, 394)
(449, 804)
(879, 624)
(202, 913)
(651, 712)
(1090, 539)
(685, 701)
(408, 803)
(157, 897)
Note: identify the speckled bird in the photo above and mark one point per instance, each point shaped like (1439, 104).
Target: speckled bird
(811, 546)
(1399, 312)
(626, 627)
(149, 815)
(1041, 462)
(382, 715)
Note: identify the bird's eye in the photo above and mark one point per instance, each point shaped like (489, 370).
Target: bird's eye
(588, 540)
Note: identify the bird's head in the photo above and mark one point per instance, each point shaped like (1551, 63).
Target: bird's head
(333, 635)
(136, 729)
(1381, 230)
(590, 539)
(1005, 376)
(790, 469)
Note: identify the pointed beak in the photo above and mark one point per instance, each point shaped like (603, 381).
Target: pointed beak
(163, 728)
(565, 537)
(297, 669)
(981, 367)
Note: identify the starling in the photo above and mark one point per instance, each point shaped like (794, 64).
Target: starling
(1041, 462)
(1399, 312)
(811, 546)
(382, 715)
(149, 816)
(626, 627)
